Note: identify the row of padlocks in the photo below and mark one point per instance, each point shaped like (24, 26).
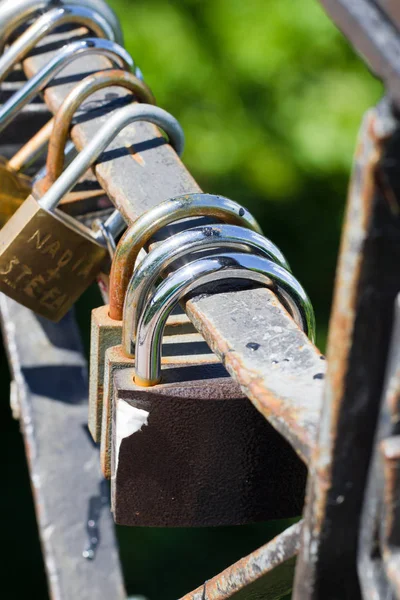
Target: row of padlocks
(179, 441)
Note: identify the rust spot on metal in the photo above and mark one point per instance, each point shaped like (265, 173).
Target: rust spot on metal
(135, 155)
(251, 573)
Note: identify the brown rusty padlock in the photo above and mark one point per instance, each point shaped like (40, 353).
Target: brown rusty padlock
(106, 329)
(47, 259)
(192, 450)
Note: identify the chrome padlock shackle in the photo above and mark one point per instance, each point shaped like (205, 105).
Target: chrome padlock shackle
(45, 24)
(66, 55)
(87, 157)
(204, 237)
(199, 273)
(91, 152)
(65, 114)
(165, 213)
(16, 13)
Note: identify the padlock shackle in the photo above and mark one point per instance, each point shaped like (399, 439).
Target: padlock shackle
(68, 53)
(198, 274)
(165, 213)
(66, 112)
(88, 156)
(32, 149)
(45, 24)
(181, 245)
(108, 132)
(15, 13)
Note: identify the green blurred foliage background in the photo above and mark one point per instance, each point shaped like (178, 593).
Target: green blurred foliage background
(271, 97)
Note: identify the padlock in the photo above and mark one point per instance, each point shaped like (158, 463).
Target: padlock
(204, 455)
(106, 328)
(159, 259)
(45, 24)
(15, 186)
(146, 343)
(64, 56)
(47, 259)
(106, 320)
(16, 13)
(180, 246)
(66, 112)
(14, 189)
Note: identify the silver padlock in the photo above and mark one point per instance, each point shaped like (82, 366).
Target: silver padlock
(181, 245)
(55, 17)
(66, 55)
(146, 342)
(15, 13)
(193, 451)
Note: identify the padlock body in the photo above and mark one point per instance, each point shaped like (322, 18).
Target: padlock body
(105, 333)
(193, 451)
(181, 344)
(45, 262)
(14, 189)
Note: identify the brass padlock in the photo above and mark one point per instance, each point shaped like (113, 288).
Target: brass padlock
(67, 54)
(203, 454)
(63, 119)
(14, 189)
(106, 328)
(15, 186)
(14, 14)
(47, 259)
(45, 24)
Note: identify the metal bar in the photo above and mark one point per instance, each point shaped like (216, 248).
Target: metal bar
(266, 573)
(392, 10)
(374, 35)
(368, 281)
(377, 544)
(138, 171)
(270, 357)
(74, 519)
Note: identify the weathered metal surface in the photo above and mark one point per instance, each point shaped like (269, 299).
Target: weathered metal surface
(367, 284)
(71, 498)
(263, 575)
(49, 395)
(391, 9)
(374, 34)
(163, 476)
(272, 359)
(63, 119)
(378, 553)
(390, 536)
(140, 170)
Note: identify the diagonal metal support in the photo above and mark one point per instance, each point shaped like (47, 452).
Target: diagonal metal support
(266, 573)
(71, 497)
(367, 283)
